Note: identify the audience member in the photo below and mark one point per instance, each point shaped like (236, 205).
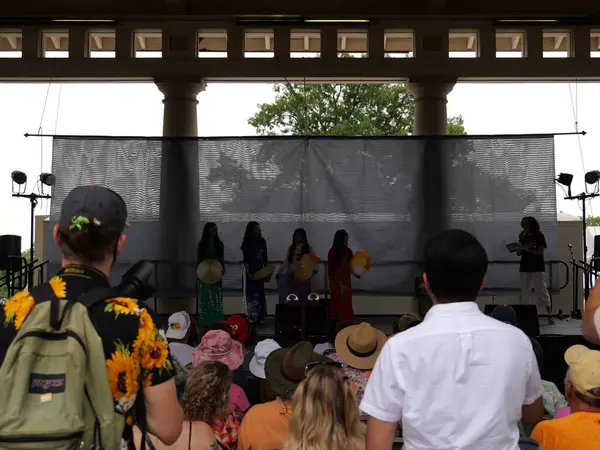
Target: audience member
(261, 391)
(217, 345)
(324, 412)
(90, 236)
(461, 379)
(177, 334)
(526, 443)
(591, 316)
(206, 399)
(240, 331)
(581, 429)
(552, 397)
(405, 322)
(358, 347)
(334, 327)
(265, 426)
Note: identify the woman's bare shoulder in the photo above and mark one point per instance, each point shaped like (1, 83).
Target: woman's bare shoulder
(203, 436)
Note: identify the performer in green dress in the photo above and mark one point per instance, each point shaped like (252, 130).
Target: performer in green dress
(210, 296)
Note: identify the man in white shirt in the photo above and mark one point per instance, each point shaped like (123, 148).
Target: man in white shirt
(460, 380)
(177, 335)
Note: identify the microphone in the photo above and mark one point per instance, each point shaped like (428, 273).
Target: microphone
(570, 247)
(136, 281)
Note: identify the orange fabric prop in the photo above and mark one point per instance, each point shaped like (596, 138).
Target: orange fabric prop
(306, 265)
(361, 262)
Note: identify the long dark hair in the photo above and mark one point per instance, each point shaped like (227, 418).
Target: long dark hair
(205, 239)
(249, 233)
(534, 225)
(339, 244)
(305, 247)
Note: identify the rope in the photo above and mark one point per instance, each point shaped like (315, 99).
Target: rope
(575, 110)
(40, 129)
(57, 109)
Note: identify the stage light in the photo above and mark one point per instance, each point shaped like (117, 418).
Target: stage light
(48, 179)
(592, 177)
(18, 177)
(292, 298)
(565, 179)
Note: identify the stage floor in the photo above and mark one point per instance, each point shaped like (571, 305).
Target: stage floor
(385, 323)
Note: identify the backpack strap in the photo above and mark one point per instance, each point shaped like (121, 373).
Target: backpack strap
(45, 292)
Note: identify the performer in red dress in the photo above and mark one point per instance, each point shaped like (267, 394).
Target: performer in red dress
(340, 278)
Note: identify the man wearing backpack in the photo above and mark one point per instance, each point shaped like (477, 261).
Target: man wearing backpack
(80, 364)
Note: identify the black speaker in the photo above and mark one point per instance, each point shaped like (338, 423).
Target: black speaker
(10, 245)
(527, 318)
(596, 262)
(309, 318)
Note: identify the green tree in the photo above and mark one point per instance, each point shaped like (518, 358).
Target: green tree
(341, 110)
(593, 221)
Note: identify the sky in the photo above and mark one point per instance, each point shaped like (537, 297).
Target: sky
(132, 109)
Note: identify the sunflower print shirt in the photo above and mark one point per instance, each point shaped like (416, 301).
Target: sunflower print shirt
(135, 350)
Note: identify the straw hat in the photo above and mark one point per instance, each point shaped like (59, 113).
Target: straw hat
(266, 273)
(360, 345)
(209, 271)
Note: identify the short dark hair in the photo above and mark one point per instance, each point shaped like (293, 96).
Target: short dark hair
(455, 265)
(90, 247)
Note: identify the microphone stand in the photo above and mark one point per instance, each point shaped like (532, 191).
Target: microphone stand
(575, 312)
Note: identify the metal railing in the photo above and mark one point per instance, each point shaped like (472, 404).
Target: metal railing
(553, 271)
(16, 280)
(22, 273)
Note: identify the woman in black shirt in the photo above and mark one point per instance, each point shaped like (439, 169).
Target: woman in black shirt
(533, 268)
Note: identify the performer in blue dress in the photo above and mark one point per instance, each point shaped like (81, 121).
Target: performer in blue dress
(254, 249)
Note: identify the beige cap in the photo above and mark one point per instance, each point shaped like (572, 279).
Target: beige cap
(584, 369)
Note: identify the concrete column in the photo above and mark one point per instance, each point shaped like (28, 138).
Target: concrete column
(180, 116)
(179, 195)
(431, 115)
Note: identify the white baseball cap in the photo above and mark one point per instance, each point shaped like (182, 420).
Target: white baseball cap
(179, 324)
(262, 350)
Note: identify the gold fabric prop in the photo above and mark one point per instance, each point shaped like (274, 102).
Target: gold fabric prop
(307, 264)
(361, 262)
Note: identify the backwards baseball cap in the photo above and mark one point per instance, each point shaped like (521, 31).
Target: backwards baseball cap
(93, 206)
(505, 313)
(179, 324)
(584, 369)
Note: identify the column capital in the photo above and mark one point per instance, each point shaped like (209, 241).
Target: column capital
(180, 89)
(430, 87)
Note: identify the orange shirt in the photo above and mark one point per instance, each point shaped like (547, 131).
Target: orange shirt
(265, 426)
(579, 431)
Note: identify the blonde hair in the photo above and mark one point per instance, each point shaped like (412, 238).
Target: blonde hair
(206, 396)
(324, 413)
